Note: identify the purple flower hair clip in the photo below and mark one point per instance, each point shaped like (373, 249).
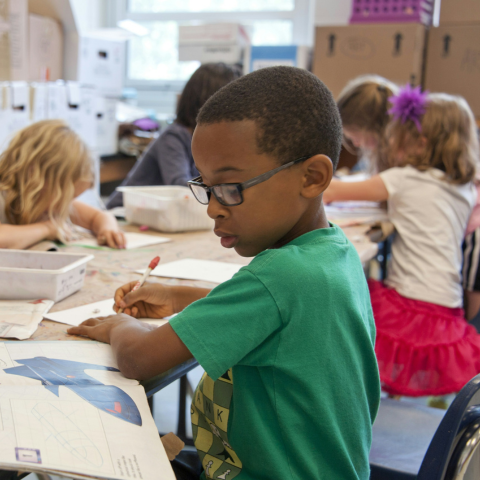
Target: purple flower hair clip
(409, 104)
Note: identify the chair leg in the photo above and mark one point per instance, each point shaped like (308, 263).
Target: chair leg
(182, 407)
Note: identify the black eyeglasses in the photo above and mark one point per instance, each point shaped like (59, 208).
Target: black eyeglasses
(230, 194)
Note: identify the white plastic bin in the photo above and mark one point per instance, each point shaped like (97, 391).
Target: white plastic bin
(165, 208)
(26, 275)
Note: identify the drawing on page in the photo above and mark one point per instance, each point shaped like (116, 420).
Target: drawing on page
(70, 374)
(68, 433)
(58, 426)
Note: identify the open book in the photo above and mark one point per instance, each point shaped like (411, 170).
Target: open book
(65, 409)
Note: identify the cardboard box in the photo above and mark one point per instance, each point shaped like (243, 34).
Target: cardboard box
(453, 62)
(18, 98)
(61, 11)
(15, 43)
(395, 51)
(57, 100)
(88, 116)
(107, 126)
(392, 11)
(14, 40)
(4, 41)
(268, 56)
(459, 11)
(5, 114)
(45, 49)
(101, 63)
(218, 42)
(38, 102)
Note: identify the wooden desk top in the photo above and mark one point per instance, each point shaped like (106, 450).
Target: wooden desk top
(112, 268)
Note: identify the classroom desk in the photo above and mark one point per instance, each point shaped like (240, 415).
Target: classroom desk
(112, 268)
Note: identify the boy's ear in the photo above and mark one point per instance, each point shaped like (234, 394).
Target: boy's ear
(317, 174)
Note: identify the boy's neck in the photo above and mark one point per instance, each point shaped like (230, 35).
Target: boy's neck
(313, 218)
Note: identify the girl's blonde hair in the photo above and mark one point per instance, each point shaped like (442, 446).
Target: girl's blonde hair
(450, 134)
(363, 105)
(38, 171)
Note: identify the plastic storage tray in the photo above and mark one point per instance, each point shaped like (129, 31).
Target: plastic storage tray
(26, 275)
(384, 11)
(165, 208)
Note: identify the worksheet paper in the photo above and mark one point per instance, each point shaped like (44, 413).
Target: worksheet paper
(75, 316)
(364, 211)
(20, 318)
(134, 240)
(67, 410)
(191, 269)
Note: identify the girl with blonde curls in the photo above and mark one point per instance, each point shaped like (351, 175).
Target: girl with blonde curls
(44, 168)
(363, 106)
(424, 345)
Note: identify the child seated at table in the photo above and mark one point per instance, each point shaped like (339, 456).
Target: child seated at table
(44, 168)
(363, 105)
(168, 160)
(291, 386)
(424, 344)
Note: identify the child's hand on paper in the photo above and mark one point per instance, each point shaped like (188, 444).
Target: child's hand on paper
(150, 301)
(99, 328)
(111, 238)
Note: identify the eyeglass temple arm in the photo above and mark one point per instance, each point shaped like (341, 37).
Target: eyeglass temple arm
(271, 173)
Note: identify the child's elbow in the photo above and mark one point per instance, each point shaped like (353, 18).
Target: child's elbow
(131, 364)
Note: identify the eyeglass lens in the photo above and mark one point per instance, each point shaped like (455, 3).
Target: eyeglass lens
(228, 194)
(200, 194)
(225, 194)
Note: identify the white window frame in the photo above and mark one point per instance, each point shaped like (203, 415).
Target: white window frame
(302, 18)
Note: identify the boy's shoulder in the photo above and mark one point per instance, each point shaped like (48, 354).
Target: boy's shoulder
(321, 246)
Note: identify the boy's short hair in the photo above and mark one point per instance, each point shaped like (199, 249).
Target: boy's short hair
(294, 110)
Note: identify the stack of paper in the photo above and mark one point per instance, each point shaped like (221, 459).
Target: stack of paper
(20, 318)
(354, 213)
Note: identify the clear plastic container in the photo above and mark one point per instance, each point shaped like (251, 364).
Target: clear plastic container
(28, 275)
(165, 208)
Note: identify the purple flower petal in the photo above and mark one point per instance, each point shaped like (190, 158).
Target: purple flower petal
(409, 104)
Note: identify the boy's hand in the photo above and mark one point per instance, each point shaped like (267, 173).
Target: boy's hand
(150, 301)
(111, 238)
(99, 328)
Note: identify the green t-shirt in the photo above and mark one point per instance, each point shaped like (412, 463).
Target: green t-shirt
(291, 385)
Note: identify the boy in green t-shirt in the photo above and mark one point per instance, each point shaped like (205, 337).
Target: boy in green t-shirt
(291, 386)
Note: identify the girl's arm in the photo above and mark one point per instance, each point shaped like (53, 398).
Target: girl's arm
(24, 236)
(102, 224)
(373, 190)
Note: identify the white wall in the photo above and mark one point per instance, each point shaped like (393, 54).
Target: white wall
(332, 12)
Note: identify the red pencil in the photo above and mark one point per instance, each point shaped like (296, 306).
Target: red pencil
(153, 264)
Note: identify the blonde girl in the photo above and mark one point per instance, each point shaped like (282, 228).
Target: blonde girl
(363, 106)
(424, 345)
(44, 168)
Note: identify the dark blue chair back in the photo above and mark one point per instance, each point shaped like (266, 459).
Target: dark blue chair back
(411, 441)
